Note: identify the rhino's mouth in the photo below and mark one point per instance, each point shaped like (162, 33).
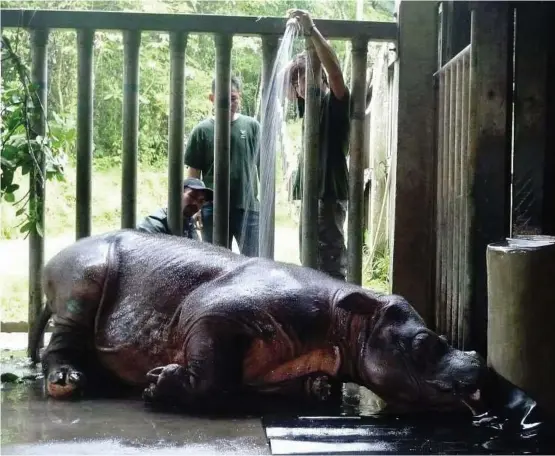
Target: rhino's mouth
(474, 402)
(469, 395)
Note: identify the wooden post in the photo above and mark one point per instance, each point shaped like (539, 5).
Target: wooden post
(521, 308)
(412, 257)
(489, 154)
(178, 44)
(131, 45)
(309, 205)
(356, 163)
(531, 100)
(85, 89)
(222, 139)
(548, 210)
(37, 178)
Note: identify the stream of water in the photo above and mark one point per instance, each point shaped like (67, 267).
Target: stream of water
(273, 109)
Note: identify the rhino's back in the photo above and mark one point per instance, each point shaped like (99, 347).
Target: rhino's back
(265, 301)
(149, 276)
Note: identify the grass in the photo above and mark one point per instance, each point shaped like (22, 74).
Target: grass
(106, 201)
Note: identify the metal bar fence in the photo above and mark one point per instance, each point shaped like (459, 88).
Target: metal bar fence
(452, 294)
(179, 26)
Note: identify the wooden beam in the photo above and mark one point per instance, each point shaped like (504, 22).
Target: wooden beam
(548, 212)
(490, 141)
(413, 256)
(531, 59)
(190, 23)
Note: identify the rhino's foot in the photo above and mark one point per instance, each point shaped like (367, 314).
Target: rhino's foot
(65, 382)
(319, 387)
(168, 384)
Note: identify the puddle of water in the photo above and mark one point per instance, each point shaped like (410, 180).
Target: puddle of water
(33, 424)
(358, 422)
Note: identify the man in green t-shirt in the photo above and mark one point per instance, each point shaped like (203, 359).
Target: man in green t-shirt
(333, 186)
(244, 168)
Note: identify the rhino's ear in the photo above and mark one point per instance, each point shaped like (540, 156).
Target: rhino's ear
(355, 301)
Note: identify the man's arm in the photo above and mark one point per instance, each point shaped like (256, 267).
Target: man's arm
(329, 60)
(257, 140)
(155, 223)
(325, 52)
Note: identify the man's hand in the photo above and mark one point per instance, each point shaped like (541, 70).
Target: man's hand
(197, 220)
(325, 52)
(302, 17)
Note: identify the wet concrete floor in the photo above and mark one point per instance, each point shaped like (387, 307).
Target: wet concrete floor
(33, 424)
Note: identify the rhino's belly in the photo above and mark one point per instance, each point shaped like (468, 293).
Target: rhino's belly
(132, 340)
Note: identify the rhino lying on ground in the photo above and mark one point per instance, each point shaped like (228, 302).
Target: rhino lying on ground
(187, 321)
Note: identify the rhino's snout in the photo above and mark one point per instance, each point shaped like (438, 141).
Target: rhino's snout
(460, 374)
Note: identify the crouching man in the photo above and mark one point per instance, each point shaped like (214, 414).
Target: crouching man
(195, 194)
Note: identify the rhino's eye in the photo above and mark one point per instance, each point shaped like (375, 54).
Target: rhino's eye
(420, 341)
(428, 346)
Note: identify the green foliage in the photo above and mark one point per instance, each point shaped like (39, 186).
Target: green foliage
(155, 66)
(22, 150)
(154, 97)
(375, 268)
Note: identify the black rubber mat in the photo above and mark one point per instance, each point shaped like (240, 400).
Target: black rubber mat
(392, 435)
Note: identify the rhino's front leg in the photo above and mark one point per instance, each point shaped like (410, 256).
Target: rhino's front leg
(167, 384)
(213, 370)
(316, 386)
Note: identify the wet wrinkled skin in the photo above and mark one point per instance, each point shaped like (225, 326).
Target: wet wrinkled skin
(191, 323)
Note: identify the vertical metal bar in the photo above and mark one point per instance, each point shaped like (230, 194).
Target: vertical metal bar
(445, 202)
(267, 152)
(456, 203)
(222, 140)
(309, 206)
(451, 201)
(85, 40)
(356, 161)
(39, 76)
(176, 130)
(463, 88)
(465, 262)
(439, 294)
(131, 45)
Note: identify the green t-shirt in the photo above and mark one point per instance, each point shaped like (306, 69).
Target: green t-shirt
(333, 176)
(244, 159)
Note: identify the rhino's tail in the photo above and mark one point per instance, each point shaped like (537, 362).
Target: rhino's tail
(38, 332)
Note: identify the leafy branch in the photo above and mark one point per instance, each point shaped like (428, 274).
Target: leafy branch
(22, 149)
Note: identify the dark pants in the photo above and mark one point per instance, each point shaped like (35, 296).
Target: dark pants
(332, 253)
(243, 229)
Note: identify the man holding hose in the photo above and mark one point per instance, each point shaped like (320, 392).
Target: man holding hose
(333, 187)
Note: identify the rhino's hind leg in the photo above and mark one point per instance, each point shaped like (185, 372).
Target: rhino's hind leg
(69, 358)
(64, 363)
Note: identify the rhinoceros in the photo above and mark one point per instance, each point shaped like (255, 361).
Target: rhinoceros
(186, 321)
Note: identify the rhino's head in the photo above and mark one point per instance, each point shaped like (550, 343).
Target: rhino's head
(403, 361)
